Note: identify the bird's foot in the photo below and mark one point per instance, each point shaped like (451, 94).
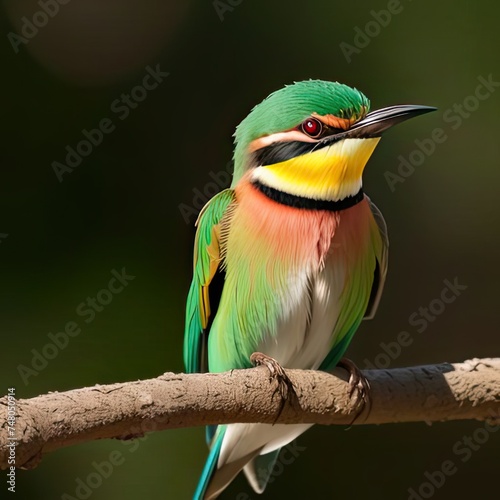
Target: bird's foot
(276, 372)
(358, 384)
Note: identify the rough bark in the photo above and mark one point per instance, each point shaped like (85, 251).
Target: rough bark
(469, 390)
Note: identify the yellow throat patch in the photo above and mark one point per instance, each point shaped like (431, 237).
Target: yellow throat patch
(330, 173)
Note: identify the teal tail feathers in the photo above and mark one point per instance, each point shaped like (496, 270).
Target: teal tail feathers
(210, 464)
(216, 476)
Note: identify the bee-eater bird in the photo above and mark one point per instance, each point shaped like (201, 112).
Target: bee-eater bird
(290, 259)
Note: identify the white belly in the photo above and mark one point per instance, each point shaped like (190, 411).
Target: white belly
(306, 331)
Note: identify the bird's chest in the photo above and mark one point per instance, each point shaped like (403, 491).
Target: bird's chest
(276, 253)
(286, 272)
(283, 238)
(277, 240)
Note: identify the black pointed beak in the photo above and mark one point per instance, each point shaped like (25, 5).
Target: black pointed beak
(376, 122)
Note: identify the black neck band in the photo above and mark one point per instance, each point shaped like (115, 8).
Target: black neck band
(308, 203)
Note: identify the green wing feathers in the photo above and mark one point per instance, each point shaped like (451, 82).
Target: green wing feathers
(207, 258)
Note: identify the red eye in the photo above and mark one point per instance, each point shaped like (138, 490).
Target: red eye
(312, 127)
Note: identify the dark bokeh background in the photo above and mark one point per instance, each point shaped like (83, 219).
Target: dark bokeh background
(120, 208)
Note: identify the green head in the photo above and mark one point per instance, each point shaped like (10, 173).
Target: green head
(286, 108)
(312, 139)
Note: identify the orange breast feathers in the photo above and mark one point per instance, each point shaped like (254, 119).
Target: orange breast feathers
(295, 235)
(290, 234)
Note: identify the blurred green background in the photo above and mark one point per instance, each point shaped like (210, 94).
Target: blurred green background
(122, 207)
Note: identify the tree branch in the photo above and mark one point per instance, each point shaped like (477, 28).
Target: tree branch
(469, 390)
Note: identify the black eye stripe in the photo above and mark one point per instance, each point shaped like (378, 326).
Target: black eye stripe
(282, 151)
